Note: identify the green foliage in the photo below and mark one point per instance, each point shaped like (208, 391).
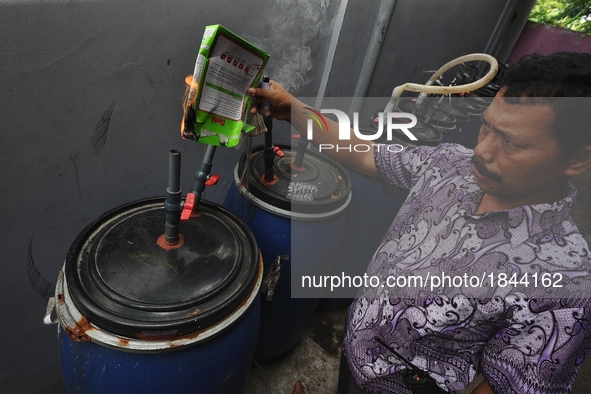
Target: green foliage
(569, 14)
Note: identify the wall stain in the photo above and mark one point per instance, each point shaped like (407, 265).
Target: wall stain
(99, 137)
(38, 283)
(77, 177)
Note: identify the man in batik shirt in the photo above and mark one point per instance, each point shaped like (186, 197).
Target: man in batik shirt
(498, 218)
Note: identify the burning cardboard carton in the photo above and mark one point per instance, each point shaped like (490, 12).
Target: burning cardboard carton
(226, 67)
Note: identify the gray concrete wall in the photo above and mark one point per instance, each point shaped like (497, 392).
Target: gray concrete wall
(90, 104)
(422, 36)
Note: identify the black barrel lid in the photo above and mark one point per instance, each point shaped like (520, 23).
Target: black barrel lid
(489, 90)
(441, 122)
(323, 186)
(469, 106)
(383, 139)
(124, 283)
(426, 134)
(457, 112)
(482, 102)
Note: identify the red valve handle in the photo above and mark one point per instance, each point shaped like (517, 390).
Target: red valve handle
(212, 180)
(188, 207)
(278, 151)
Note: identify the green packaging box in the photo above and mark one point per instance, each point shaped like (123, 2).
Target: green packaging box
(226, 66)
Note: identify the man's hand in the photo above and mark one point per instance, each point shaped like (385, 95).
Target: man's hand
(279, 98)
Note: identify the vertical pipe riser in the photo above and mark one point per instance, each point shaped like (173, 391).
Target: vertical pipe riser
(202, 175)
(172, 205)
(269, 152)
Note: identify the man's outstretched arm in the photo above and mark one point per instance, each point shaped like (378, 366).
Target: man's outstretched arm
(288, 108)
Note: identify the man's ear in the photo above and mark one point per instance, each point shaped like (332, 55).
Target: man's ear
(580, 162)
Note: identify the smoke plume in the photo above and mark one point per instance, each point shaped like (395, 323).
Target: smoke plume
(286, 37)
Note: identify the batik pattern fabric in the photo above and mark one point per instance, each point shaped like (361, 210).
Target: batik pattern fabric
(524, 337)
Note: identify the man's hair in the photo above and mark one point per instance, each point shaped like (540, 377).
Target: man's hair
(560, 80)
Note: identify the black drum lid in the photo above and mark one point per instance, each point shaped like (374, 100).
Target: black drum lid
(461, 115)
(322, 185)
(471, 108)
(482, 102)
(123, 282)
(426, 134)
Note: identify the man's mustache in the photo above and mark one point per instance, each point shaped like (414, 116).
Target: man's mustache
(484, 171)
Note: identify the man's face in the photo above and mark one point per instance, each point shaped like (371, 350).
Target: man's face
(517, 156)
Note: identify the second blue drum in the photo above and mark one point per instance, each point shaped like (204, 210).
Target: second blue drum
(298, 221)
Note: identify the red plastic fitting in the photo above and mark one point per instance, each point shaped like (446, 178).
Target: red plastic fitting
(188, 207)
(212, 180)
(278, 151)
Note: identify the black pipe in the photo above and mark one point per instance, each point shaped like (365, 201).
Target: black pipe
(202, 175)
(300, 152)
(172, 204)
(268, 152)
(174, 170)
(432, 111)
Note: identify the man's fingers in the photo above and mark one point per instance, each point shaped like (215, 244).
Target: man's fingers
(258, 92)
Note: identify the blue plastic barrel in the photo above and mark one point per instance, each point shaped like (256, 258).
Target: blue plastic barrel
(217, 365)
(369, 216)
(298, 223)
(135, 317)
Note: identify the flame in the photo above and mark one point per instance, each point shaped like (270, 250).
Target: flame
(191, 82)
(188, 106)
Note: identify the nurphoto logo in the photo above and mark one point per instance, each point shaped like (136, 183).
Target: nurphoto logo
(394, 121)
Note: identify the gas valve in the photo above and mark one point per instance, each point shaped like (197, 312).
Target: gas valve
(278, 151)
(188, 207)
(212, 179)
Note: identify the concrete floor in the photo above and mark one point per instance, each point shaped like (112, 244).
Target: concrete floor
(315, 359)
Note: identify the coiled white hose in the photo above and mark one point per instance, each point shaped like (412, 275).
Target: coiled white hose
(429, 89)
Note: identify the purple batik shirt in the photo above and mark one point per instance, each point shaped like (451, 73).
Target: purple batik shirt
(524, 333)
